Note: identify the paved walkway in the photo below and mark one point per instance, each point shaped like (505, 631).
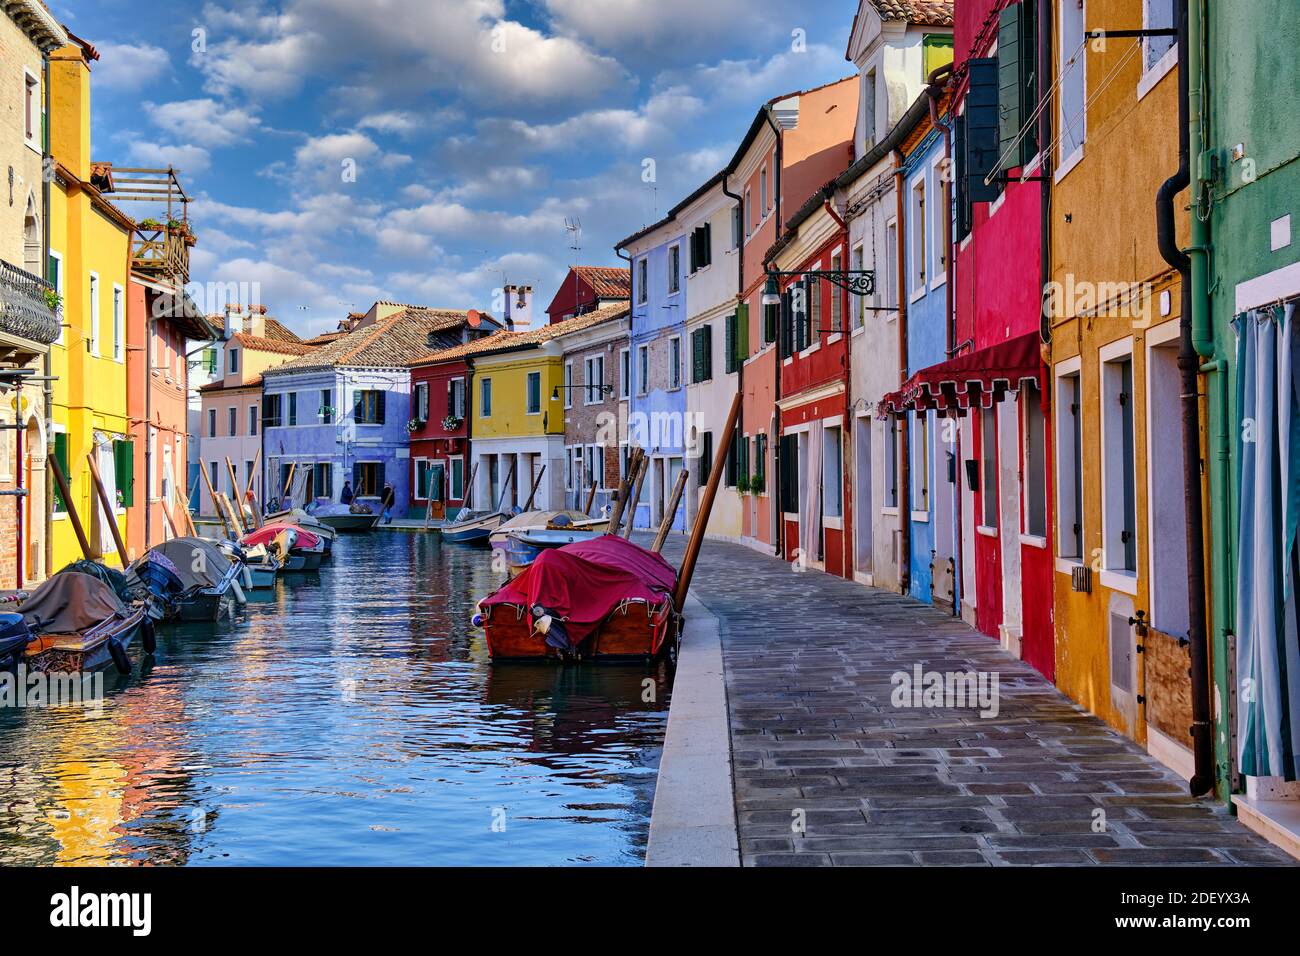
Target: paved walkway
(829, 772)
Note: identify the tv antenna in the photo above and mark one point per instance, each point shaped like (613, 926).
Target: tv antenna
(573, 226)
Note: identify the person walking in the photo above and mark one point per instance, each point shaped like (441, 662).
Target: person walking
(388, 499)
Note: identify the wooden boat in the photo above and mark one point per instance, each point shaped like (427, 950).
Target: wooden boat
(354, 519)
(624, 609)
(209, 580)
(78, 625)
(476, 527)
(304, 519)
(299, 549)
(532, 521)
(523, 547)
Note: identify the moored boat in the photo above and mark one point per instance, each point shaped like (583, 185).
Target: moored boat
(354, 518)
(299, 548)
(623, 609)
(77, 624)
(476, 527)
(531, 521)
(209, 579)
(304, 519)
(523, 547)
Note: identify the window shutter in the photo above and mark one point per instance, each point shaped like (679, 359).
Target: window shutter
(124, 468)
(729, 344)
(706, 244)
(960, 190)
(706, 334)
(981, 128)
(1009, 83)
(380, 398)
(451, 399)
(787, 324)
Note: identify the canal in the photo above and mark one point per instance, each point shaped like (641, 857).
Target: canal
(350, 717)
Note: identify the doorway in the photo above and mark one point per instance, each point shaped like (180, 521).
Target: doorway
(864, 502)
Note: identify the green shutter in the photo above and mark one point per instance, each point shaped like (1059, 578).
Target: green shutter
(706, 245)
(729, 344)
(61, 456)
(124, 470)
(706, 334)
(1009, 87)
(742, 334)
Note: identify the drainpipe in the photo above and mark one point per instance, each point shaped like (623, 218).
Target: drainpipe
(46, 361)
(904, 451)
(1189, 364)
(776, 365)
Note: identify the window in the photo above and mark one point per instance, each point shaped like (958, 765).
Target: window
(422, 401)
(706, 457)
(595, 379)
(367, 478)
(674, 269)
(837, 301)
(32, 109)
(233, 354)
(124, 470)
(858, 305)
(1119, 500)
(675, 359)
(736, 227)
(252, 419)
(456, 398)
(293, 409)
(212, 423)
(702, 354)
(891, 463)
(642, 280)
(1073, 121)
(271, 411)
(832, 473)
(989, 468)
(94, 314)
(891, 265)
(939, 223)
(248, 476)
(233, 421)
(790, 474)
(701, 247)
(869, 107)
(731, 344)
(758, 484)
(762, 191)
(423, 477)
(643, 369)
(214, 475)
(326, 411)
(534, 393)
(921, 462)
(56, 280)
(749, 214)
(208, 361)
(322, 480)
(457, 479)
(369, 407)
(118, 322)
(568, 385)
(485, 398)
(814, 332)
(624, 373)
(1156, 15)
(916, 226)
(1035, 461)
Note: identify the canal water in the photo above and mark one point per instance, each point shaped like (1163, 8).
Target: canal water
(351, 717)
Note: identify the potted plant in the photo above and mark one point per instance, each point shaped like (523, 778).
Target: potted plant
(414, 425)
(149, 224)
(742, 484)
(53, 301)
(451, 423)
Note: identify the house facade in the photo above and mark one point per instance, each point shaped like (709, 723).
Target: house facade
(1122, 542)
(231, 411)
(588, 288)
(594, 397)
(28, 322)
(90, 248)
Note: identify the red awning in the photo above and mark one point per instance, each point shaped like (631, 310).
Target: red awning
(975, 379)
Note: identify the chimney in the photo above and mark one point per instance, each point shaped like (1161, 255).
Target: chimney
(70, 108)
(234, 320)
(519, 307)
(257, 321)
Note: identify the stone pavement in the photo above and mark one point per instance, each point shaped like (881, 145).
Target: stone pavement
(829, 773)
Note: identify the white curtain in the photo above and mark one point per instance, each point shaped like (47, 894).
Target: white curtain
(1268, 655)
(107, 474)
(811, 512)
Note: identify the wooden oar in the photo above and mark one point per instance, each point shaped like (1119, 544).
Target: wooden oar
(212, 493)
(666, 525)
(257, 512)
(624, 488)
(185, 507)
(706, 508)
(61, 480)
(537, 483)
(293, 466)
(636, 493)
(505, 485)
(170, 523)
(591, 499)
(108, 507)
(236, 510)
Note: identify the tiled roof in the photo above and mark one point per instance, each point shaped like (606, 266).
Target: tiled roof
(505, 341)
(274, 329)
(392, 342)
(259, 343)
(606, 281)
(930, 13)
(217, 386)
(325, 338)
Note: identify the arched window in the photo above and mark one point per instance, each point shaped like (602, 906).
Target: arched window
(32, 239)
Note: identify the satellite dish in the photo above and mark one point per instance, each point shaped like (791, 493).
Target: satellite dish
(475, 318)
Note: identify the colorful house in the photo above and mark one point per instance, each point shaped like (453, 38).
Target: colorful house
(230, 419)
(657, 417)
(342, 412)
(1124, 552)
(90, 248)
(28, 322)
(794, 146)
(588, 288)
(1244, 290)
(595, 394)
(814, 397)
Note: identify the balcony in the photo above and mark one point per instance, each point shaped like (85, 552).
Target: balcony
(27, 312)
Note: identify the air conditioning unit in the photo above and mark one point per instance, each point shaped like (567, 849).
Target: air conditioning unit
(1081, 579)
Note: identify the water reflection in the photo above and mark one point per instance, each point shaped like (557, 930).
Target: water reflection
(351, 716)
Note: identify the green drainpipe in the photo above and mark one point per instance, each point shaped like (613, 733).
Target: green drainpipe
(1219, 438)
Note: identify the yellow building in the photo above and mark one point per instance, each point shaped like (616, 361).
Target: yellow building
(1121, 587)
(90, 246)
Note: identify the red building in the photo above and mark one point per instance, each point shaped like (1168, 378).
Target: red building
(813, 393)
(588, 288)
(440, 442)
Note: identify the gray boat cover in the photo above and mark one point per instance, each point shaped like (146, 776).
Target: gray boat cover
(69, 603)
(199, 562)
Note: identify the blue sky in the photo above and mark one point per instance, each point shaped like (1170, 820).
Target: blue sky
(475, 128)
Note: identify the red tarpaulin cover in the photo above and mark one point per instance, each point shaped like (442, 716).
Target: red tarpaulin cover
(268, 533)
(582, 583)
(974, 378)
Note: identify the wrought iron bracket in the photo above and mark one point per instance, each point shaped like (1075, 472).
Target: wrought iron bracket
(855, 281)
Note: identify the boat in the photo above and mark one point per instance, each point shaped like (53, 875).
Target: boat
(299, 549)
(474, 527)
(259, 566)
(353, 518)
(524, 546)
(623, 609)
(76, 624)
(304, 519)
(531, 521)
(208, 578)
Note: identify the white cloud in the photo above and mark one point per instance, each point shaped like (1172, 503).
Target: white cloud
(652, 124)
(129, 66)
(189, 160)
(204, 122)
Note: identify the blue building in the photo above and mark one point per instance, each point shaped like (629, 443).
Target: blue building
(657, 419)
(342, 412)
